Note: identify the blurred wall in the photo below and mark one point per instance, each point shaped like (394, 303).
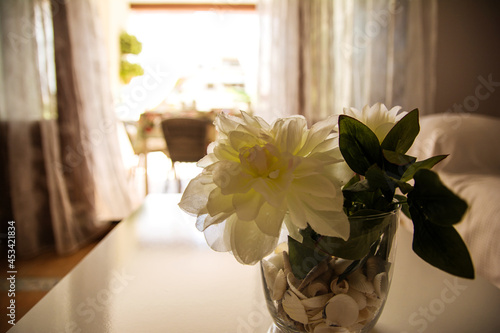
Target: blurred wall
(468, 57)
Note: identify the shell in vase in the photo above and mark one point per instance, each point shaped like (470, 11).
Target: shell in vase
(359, 297)
(280, 285)
(314, 273)
(374, 266)
(341, 310)
(293, 282)
(341, 265)
(294, 307)
(317, 302)
(316, 288)
(359, 282)
(381, 284)
(341, 287)
(276, 259)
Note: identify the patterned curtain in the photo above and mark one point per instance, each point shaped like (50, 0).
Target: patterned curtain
(319, 56)
(61, 175)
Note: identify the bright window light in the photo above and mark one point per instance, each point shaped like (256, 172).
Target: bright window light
(193, 59)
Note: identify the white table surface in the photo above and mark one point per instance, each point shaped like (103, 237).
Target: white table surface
(154, 273)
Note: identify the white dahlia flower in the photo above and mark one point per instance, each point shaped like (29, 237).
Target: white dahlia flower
(377, 117)
(260, 175)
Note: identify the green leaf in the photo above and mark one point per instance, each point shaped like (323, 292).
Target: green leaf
(378, 179)
(352, 181)
(303, 256)
(405, 208)
(401, 136)
(396, 164)
(398, 158)
(362, 235)
(405, 187)
(359, 186)
(441, 246)
(434, 200)
(425, 164)
(358, 144)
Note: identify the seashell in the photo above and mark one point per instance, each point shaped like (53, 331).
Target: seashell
(341, 310)
(276, 260)
(381, 284)
(294, 307)
(325, 328)
(309, 328)
(287, 267)
(359, 297)
(314, 320)
(270, 273)
(317, 302)
(339, 288)
(326, 277)
(331, 262)
(282, 247)
(292, 283)
(357, 327)
(373, 302)
(359, 282)
(341, 265)
(284, 316)
(279, 287)
(374, 265)
(317, 318)
(314, 273)
(364, 315)
(316, 288)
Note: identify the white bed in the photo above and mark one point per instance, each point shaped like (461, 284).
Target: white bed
(473, 171)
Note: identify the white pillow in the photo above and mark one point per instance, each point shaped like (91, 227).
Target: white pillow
(472, 141)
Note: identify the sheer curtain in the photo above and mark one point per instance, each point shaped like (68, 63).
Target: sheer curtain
(319, 56)
(61, 175)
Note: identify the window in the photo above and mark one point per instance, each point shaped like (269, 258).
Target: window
(201, 57)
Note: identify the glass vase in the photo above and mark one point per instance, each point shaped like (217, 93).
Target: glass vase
(336, 294)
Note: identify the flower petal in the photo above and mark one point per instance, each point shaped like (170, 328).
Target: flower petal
(335, 203)
(328, 223)
(382, 130)
(216, 238)
(270, 219)
(248, 243)
(288, 133)
(317, 185)
(240, 140)
(254, 121)
(228, 176)
(339, 173)
(247, 205)
(219, 203)
(195, 196)
(225, 123)
(297, 214)
(207, 160)
(270, 190)
(293, 231)
(317, 134)
(223, 151)
(205, 220)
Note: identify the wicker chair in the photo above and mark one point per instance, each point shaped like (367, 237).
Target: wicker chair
(186, 140)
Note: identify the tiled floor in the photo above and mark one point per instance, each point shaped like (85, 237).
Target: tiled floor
(37, 276)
